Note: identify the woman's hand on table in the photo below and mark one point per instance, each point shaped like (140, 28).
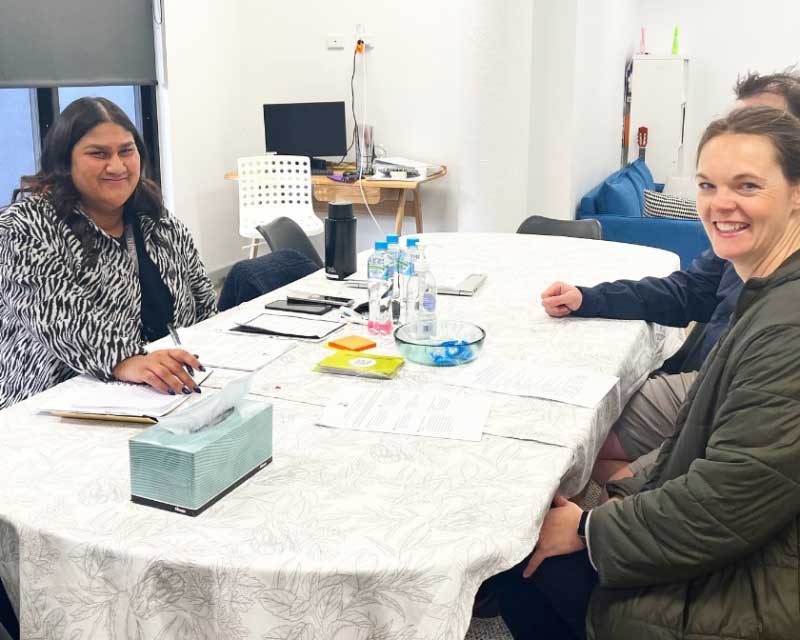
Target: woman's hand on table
(164, 370)
(559, 534)
(560, 299)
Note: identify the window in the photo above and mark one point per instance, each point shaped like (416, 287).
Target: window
(123, 97)
(27, 114)
(19, 143)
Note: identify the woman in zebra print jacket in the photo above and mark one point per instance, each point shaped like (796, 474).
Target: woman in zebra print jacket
(92, 266)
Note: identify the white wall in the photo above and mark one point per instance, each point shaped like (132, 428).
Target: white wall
(445, 83)
(197, 120)
(581, 48)
(604, 44)
(552, 114)
(521, 99)
(722, 40)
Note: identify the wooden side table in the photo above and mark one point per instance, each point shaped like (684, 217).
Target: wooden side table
(387, 197)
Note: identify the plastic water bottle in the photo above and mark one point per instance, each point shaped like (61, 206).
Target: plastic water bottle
(408, 281)
(379, 274)
(426, 298)
(393, 249)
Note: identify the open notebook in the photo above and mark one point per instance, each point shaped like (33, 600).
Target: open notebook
(85, 397)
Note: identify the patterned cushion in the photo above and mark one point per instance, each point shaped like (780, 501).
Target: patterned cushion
(660, 205)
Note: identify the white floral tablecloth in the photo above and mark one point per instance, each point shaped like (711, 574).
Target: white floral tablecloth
(346, 535)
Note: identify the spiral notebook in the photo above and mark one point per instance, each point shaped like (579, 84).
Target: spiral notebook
(87, 398)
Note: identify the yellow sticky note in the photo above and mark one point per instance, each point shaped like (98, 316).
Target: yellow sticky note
(352, 343)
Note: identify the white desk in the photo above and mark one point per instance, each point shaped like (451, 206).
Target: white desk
(345, 530)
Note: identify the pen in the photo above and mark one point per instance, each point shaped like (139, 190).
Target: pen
(177, 341)
(351, 316)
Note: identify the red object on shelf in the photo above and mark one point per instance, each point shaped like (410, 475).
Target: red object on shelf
(641, 138)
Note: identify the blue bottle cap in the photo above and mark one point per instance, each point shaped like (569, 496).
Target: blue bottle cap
(412, 242)
(380, 245)
(392, 238)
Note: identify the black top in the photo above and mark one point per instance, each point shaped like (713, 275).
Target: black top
(157, 301)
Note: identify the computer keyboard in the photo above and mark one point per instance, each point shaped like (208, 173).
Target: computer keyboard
(322, 172)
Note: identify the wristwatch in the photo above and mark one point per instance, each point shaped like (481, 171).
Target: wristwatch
(582, 526)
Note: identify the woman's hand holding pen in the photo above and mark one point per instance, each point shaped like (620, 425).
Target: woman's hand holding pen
(164, 370)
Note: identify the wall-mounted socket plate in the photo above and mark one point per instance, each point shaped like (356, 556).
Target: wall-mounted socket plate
(335, 41)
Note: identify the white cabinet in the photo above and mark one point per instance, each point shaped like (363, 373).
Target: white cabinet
(658, 102)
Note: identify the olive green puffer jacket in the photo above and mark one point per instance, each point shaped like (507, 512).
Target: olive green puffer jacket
(708, 548)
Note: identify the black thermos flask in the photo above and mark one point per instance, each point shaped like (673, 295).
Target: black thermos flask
(340, 241)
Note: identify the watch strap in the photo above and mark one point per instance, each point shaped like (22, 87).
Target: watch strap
(582, 525)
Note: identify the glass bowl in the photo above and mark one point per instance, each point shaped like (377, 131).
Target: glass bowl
(452, 343)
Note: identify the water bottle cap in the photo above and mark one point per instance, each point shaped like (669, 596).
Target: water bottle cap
(392, 238)
(412, 242)
(380, 245)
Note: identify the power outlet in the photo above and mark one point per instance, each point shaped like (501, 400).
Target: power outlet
(335, 41)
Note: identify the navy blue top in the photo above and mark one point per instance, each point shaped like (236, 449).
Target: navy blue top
(706, 292)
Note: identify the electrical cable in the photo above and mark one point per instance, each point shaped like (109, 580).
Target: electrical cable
(363, 125)
(352, 103)
(160, 19)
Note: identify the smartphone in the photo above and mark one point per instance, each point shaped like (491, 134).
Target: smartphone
(320, 298)
(314, 308)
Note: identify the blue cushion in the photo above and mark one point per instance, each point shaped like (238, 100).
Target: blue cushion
(640, 169)
(638, 182)
(620, 196)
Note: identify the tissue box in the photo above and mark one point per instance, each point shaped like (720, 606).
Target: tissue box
(188, 473)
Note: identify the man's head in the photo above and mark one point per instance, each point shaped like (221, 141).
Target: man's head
(777, 90)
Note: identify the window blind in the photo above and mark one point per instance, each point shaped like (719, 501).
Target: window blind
(45, 43)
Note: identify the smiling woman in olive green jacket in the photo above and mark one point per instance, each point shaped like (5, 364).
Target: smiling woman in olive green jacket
(708, 545)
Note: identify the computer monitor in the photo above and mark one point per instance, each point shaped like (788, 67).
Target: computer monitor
(306, 129)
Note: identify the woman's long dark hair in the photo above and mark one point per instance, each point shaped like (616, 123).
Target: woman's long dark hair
(54, 180)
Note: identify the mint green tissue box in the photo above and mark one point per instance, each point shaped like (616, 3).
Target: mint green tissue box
(187, 473)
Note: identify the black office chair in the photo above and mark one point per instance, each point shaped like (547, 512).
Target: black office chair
(539, 225)
(285, 233)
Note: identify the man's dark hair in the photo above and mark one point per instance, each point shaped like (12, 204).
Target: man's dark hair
(785, 84)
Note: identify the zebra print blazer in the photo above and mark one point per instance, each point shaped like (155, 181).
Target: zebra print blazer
(61, 315)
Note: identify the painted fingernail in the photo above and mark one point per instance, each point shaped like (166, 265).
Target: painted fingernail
(186, 390)
(202, 368)
(171, 392)
(198, 390)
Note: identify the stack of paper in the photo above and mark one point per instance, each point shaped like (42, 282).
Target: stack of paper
(88, 398)
(449, 284)
(424, 169)
(572, 386)
(367, 365)
(227, 350)
(439, 415)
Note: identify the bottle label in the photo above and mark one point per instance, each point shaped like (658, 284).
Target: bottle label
(429, 302)
(405, 267)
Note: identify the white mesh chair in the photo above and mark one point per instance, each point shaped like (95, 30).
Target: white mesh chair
(271, 187)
